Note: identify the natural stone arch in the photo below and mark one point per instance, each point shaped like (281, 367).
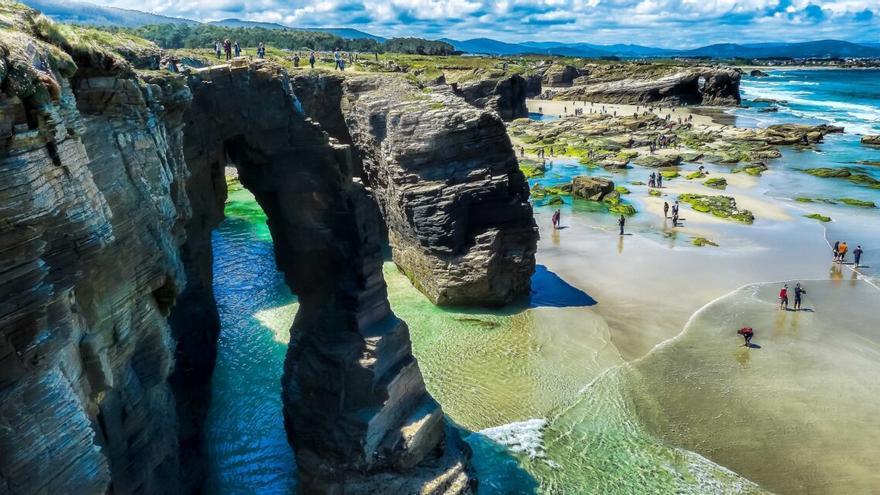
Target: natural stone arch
(355, 404)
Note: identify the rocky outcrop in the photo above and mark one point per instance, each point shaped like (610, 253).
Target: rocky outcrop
(871, 140)
(781, 134)
(706, 86)
(111, 182)
(758, 73)
(446, 178)
(506, 95)
(591, 188)
(560, 75)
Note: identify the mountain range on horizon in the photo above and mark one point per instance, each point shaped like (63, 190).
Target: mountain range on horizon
(79, 12)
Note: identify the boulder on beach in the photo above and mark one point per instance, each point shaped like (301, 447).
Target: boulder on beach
(592, 188)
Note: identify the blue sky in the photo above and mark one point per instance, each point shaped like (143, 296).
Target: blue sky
(665, 23)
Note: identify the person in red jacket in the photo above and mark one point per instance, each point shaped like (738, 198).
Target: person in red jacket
(783, 297)
(747, 334)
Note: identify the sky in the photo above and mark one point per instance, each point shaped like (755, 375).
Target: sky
(662, 23)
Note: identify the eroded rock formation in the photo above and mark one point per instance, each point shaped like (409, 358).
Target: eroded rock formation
(506, 95)
(691, 86)
(111, 182)
(446, 178)
(355, 403)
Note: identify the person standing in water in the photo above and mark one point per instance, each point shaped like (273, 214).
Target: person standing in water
(557, 214)
(747, 334)
(857, 255)
(621, 222)
(783, 297)
(798, 292)
(835, 251)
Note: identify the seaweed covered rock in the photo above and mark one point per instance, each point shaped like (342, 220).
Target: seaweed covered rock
(591, 188)
(719, 206)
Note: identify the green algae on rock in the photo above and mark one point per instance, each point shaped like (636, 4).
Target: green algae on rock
(857, 202)
(819, 217)
(622, 189)
(716, 183)
(719, 206)
(828, 172)
(702, 241)
(654, 192)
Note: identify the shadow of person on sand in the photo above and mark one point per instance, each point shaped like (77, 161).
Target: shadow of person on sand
(752, 345)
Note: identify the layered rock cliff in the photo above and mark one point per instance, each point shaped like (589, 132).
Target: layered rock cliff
(446, 179)
(505, 94)
(92, 215)
(674, 86)
(111, 182)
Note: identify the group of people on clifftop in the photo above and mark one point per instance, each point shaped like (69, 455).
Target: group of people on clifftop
(228, 47)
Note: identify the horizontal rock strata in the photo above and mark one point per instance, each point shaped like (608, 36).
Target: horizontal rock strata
(446, 179)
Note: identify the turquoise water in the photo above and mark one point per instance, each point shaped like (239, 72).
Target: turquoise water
(849, 98)
(555, 405)
(245, 442)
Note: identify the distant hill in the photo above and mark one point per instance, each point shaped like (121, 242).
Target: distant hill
(347, 33)
(809, 49)
(487, 46)
(75, 12)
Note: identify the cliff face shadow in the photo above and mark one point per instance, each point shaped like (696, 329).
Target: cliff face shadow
(549, 290)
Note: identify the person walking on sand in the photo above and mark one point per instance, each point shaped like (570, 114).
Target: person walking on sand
(783, 297)
(665, 209)
(747, 334)
(843, 248)
(835, 251)
(555, 218)
(857, 256)
(659, 180)
(798, 292)
(621, 222)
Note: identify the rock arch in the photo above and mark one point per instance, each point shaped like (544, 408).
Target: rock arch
(355, 404)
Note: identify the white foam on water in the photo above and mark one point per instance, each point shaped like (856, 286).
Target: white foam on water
(521, 437)
(855, 117)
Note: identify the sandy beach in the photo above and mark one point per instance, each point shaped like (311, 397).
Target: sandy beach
(562, 108)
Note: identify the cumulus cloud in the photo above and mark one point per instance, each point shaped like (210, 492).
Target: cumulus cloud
(671, 23)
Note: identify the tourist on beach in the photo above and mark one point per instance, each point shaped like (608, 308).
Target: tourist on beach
(227, 48)
(857, 255)
(236, 48)
(652, 180)
(747, 334)
(783, 297)
(659, 180)
(312, 59)
(843, 248)
(621, 222)
(835, 251)
(798, 292)
(665, 209)
(557, 214)
(674, 217)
